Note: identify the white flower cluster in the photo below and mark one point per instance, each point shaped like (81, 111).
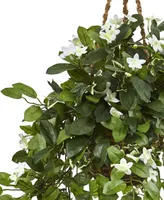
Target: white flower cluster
(19, 171)
(110, 30)
(24, 139)
(75, 48)
(145, 157)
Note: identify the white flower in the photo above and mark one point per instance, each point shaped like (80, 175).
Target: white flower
(111, 97)
(128, 74)
(114, 112)
(132, 157)
(67, 50)
(124, 166)
(18, 172)
(155, 43)
(152, 175)
(151, 18)
(109, 35)
(24, 141)
(135, 62)
(76, 41)
(79, 51)
(113, 22)
(146, 158)
(130, 18)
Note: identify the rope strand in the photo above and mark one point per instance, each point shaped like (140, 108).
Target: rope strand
(139, 10)
(125, 9)
(107, 8)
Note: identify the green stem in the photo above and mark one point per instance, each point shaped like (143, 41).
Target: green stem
(36, 104)
(131, 181)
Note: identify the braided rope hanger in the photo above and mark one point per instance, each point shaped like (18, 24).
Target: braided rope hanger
(125, 12)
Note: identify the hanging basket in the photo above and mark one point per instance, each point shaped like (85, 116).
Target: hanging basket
(101, 132)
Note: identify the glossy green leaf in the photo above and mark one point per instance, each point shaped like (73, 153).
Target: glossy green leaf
(59, 68)
(85, 109)
(119, 134)
(95, 56)
(152, 189)
(156, 105)
(161, 26)
(114, 123)
(4, 179)
(154, 29)
(140, 170)
(131, 196)
(32, 113)
(82, 178)
(75, 145)
(6, 197)
(67, 96)
(102, 113)
(116, 175)
(82, 126)
(92, 98)
(114, 154)
(19, 156)
(25, 89)
(142, 140)
(48, 131)
(113, 187)
(101, 180)
(142, 88)
(143, 128)
(37, 143)
(93, 188)
(40, 155)
(62, 136)
(95, 36)
(51, 193)
(83, 36)
(12, 92)
(128, 99)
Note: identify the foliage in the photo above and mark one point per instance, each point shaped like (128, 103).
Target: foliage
(101, 131)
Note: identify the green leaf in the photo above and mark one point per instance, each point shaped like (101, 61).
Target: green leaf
(154, 29)
(59, 68)
(55, 86)
(142, 88)
(114, 154)
(19, 156)
(161, 97)
(100, 151)
(113, 187)
(85, 109)
(51, 193)
(82, 178)
(107, 197)
(48, 131)
(95, 36)
(124, 30)
(131, 196)
(101, 180)
(92, 98)
(161, 26)
(6, 197)
(62, 136)
(12, 92)
(82, 126)
(32, 113)
(116, 175)
(1, 191)
(4, 179)
(113, 124)
(75, 145)
(81, 76)
(25, 89)
(143, 128)
(93, 188)
(67, 96)
(128, 99)
(140, 170)
(95, 56)
(152, 189)
(25, 186)
(101, 113)
(83, 36)
(142, 140)
(37, 143)
(40, 155)
(156, 105)
(119, 134)
(29, 129)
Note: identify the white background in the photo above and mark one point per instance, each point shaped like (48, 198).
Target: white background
(32, 33)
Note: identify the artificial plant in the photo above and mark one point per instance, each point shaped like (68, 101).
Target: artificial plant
(101, 132)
